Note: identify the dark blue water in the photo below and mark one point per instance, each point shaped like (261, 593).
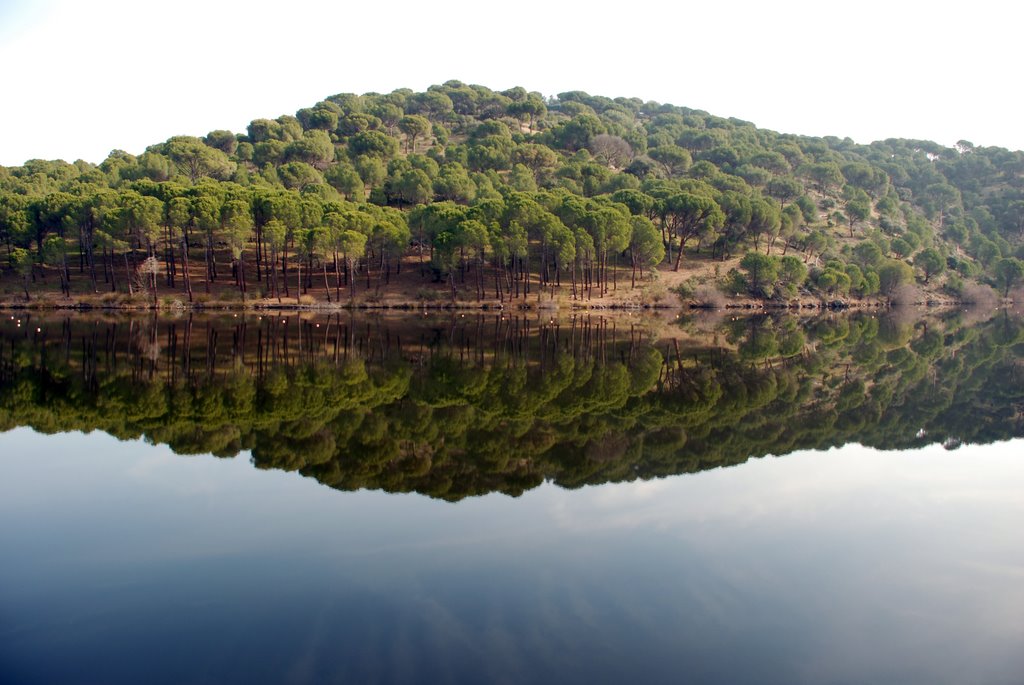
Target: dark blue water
(123, 563)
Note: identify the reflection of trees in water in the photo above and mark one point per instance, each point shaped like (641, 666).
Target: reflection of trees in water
(471, 404)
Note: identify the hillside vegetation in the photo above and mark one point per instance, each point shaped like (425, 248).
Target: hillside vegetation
(464, 194)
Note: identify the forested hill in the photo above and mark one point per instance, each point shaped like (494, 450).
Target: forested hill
(503, 195)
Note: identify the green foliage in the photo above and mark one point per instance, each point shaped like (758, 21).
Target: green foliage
(1009, 271)
(762, 271)
(930, 262)
(893, 273)
(712, 187)
(390, 404)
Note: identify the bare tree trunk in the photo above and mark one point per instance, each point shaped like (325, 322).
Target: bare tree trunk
(184, 261)
(327, 285)
(128, 270)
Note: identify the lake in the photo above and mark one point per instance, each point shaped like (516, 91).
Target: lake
(486, 497)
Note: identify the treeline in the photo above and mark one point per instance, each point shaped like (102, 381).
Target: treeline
(481, 404)
(501, 195)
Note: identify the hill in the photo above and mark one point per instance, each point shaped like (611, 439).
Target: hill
(463, 194)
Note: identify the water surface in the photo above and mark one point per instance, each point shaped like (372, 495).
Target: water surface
(374, 543)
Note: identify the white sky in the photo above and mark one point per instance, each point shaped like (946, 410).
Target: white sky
(83, 78)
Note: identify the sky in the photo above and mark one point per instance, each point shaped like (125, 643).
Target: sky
(83, 78)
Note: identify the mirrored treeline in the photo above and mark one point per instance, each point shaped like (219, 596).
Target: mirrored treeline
(465, 404)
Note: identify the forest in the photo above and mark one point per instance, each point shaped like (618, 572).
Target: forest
(472, 404)
(462, 194)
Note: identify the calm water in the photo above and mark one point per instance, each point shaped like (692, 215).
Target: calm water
(358, 524)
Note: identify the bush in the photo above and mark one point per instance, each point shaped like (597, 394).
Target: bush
(954, 286)
(735, 283)
(684, 290)
(709, 297)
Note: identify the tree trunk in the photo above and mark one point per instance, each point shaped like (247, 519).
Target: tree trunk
(679, 255)
(206, 273)
(184, 261)
(127, 269)
(351, 279)
(284, 270)
(241, 277)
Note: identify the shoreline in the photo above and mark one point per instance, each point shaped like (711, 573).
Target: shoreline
(546, 306)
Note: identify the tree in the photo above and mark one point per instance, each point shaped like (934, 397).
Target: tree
(55, 253)
(825, 175)
(858, 209)
(22, 260)
(344, 178)
(762, 270)
(576, 133)
(413, 126)
(610, 229)
(276, 234)
(930, 262)
(413, 187)
(687, 215)
(612, 151)
(453, 183)
(237, 224)
(901, 247)
(314, 148)
(46, 216)
(194, 159)
(178, 217)
(645, 247)
(675, 159)
(766, 220)
(372, 144)
(784, 188)
(536, 158)
(531, 109)
(867, 254)
(892, 274)
(372, 170)
(940, 197)
(299, 176)
(14, 220)
(352, 245)
(792, 274)
(1008, 272)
